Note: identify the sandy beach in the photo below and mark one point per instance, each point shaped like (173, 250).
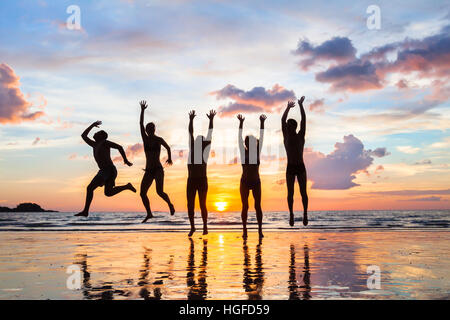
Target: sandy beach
(167, 265)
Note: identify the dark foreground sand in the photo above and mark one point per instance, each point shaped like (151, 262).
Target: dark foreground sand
(167, 265)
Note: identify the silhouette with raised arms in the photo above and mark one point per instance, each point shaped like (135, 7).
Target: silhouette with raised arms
(294, 143)
(250, 151)
(107, 174)
(199, 149)
(198, 288)
(253, 278)
(153, 168)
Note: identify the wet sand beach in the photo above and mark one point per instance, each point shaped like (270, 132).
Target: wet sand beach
(413, 264)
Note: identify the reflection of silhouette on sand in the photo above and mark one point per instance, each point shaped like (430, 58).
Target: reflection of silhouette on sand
(253, 279)
(104, 291)
(198, 290)
(294, 293)
(144, 281)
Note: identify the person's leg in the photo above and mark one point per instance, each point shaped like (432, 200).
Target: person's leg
(190, 195)
(202, 192)
(302, 179)
(159, 178)
(244, 199)
(259, 215)
(290, 179)
(146, 182)
(111, 190)
(96, 182)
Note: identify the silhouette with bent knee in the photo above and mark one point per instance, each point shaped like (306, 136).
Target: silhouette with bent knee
(294, 142)
(107, 174)
(197, 179)
(153, 168)
(250, 151)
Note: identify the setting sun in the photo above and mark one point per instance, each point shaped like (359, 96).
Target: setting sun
(221, 206)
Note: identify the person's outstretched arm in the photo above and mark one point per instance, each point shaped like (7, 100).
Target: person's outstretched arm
(240, 139)
(191, 127)
(169, 153)
(85, 133)
(119, 148)
(211, 115)
(144, 106)
(262, 118)
(290, 105)
(303, 122)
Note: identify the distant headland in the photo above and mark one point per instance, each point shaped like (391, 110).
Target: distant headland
(25, 207)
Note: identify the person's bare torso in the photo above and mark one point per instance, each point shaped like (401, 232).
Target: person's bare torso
(152, 148)
(102, 154)
(294, 145)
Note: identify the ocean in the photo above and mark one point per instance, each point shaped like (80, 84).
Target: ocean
(318, 220)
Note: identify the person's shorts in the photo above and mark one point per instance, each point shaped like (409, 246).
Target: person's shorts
(250, 184)
(198, 184)
(108, 176)
(295, 169)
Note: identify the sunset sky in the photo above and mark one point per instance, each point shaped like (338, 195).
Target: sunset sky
(377, 101)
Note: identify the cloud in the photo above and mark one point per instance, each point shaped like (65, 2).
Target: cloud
(428, 58)
(14, 108)
(412, 192)
(131, 152)
(36, 141)
(337, 170)
(338, 49)
(317, 105)
(433, 199)
(379, 152)
(408, 149)
(423, 162)
(257, 99)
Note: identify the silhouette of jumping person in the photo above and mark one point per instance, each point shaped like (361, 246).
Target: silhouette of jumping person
(153, 168)
(197, 180)
(250, 152)
(107, 174)
(294, 143)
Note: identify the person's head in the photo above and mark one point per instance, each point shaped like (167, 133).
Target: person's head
(291, 125)
(100, 136)
(150, 128)
(250, 140)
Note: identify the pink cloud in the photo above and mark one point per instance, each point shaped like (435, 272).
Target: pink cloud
(14, 108)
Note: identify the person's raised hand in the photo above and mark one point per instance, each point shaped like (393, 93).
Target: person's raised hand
(291, 104)
(143, 104)
(211, 114)
(97, 123)
(262, 118)
(240, 118)
(300, 101)
(192, 114)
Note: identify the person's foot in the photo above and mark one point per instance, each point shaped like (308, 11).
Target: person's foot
(172, 209)
(291, 219)
(82, 214)
(149, 216)
(305, 219)
(130, 187)
(260, 234)
(244, 234)
(191, 232)
(205, 231)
